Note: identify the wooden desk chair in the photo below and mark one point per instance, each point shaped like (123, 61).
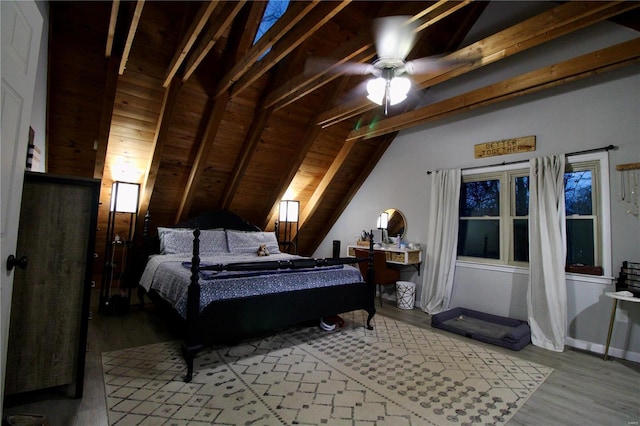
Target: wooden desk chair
(383, 274)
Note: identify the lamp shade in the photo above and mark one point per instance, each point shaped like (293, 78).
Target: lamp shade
(398, 89)
(383, 220)
(289, 210)
(124, 197)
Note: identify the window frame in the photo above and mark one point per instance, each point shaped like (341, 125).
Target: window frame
(600, 202)
(483, 177)
(511, 178)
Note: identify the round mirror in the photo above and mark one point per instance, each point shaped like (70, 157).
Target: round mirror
(395, 222)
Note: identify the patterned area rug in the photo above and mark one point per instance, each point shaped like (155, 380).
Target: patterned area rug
(396, 374)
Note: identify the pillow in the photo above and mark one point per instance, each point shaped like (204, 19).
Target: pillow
(175, 240)
(180, 240)
(248, 242)
(212, 241)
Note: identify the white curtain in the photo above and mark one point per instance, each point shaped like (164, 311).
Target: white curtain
(547, 293)
(442, 240)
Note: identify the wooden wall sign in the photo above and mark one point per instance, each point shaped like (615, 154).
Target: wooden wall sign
(505, 146)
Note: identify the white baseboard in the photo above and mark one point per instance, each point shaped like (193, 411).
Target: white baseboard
(599, 349)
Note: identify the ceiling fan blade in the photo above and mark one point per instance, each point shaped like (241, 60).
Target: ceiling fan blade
(325, 65)
(433, 63)
(355, 93)
(420, 98)
(394, 36)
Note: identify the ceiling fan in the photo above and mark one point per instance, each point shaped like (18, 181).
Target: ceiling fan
(394, 38)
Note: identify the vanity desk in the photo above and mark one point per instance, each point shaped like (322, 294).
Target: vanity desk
(394, 255)
(391, 222)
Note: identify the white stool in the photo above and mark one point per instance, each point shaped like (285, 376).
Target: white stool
(405, 294)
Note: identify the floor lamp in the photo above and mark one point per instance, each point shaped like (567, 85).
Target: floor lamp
(287, 217)
(125, 197)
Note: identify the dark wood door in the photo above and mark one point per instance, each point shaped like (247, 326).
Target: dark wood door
(50, 304)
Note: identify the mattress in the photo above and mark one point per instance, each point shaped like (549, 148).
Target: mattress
(501, 331)
(170, 275)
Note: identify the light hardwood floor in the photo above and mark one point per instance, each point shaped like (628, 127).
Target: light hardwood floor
(582, 390)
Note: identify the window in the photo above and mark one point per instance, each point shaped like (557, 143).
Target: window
(274, 11)
(494, 217)
(582, 216)
(479, 229)
(519, 218)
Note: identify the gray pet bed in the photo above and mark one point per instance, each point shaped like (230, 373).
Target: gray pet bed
(506, 332)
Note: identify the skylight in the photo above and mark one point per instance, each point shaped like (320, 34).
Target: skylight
(275, 9)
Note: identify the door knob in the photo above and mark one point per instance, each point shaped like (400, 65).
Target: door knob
(21, 263)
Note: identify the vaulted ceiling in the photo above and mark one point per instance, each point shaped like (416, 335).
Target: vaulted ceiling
(175, 96)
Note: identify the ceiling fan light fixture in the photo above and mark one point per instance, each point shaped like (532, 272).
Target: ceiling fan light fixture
(375, 89)
(398, 88)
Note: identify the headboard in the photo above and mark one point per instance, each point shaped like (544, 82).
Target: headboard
(214, 219)
(223, 219)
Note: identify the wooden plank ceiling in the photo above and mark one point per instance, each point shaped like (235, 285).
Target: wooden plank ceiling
(175, 96)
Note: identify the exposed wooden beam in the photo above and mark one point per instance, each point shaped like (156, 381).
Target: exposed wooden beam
(428, 10)
(294, 38)
(252, 23)
(220, 20)
(108, 99)
(256, 129)
(254, 134)
(382, 145)
(359, 49)
(198, 23)
(439, 11)
(258, 124)
(564, 19)
(340, 159)
(198, 166)
(243, 27)
(130, 35)
(311, 134)
(316, 197)
(571, 70)
(295, 12)
(111, 32)
(159, 140)
(558, 21)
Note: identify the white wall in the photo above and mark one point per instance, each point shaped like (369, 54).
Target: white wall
(590, 113)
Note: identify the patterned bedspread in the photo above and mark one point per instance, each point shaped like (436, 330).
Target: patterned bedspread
(170, 275)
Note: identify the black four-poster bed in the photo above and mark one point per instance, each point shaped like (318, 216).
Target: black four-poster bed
(225, 320)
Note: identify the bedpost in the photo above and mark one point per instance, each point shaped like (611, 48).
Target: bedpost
(147, 247)
(192, 343)
(145, 228)
(146, 251)
(371, 283)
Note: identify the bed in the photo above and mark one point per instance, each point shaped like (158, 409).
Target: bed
(208, 272)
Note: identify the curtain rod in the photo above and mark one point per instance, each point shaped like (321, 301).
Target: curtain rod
(506, 163)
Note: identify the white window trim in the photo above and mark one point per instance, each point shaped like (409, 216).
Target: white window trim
(605, 216)
(605, 205)
(605, 279)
